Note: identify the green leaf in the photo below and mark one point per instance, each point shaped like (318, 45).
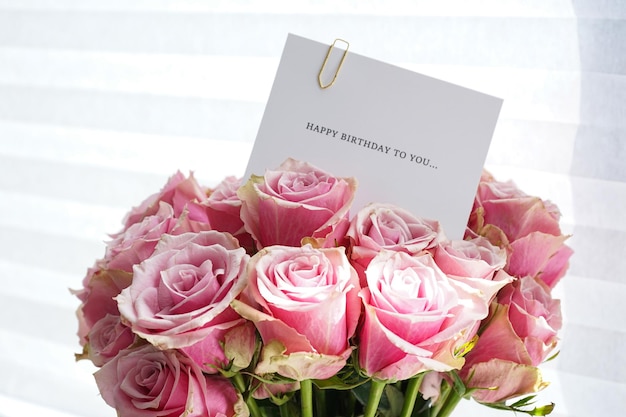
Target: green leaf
(552, 357)
(459, 385)
(337, 383)
(391, 401)
(395, 399)
(524, 401)
(520, 406)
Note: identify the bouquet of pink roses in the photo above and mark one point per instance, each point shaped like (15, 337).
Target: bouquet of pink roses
(268, 299)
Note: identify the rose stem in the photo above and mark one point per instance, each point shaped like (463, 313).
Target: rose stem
(450, 403)
(376, 392)
(285, 410)
(306, 398)
(412, 391)
(443, 395)
(250, 402)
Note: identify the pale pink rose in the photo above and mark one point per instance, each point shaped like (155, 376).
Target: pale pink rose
(385, 226)
(223, 209)
(527, 226)
(180, 296)
(476, 258)
(106, 339)
(296, 201)
(520, 333)
(521, 216)
(147, 382)
(491, 189)
(415, 317)
(540, 255)
(306, 311)
(138, 241)
(534, 315)
(179, 192)
(97, 296)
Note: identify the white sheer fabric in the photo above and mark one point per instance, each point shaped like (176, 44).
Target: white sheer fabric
(100, 101)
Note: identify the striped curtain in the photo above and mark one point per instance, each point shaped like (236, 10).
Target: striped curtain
(100, 101)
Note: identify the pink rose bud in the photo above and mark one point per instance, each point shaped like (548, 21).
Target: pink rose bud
(304, 303)
(415, 317)
(296, 201)
(147, 382)
(180, 296)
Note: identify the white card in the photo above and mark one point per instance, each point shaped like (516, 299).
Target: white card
(409, 139)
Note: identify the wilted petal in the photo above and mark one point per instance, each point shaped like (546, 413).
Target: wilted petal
(503, 380)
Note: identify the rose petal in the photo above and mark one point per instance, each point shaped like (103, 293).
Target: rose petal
(503, 380)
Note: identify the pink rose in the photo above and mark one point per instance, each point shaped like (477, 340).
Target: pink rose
(97, 296)
(180, 296)
(385, 226)
(527, 226)
(540, 255)
(223, 208)
(534, 315)
(520, 334)
(490, 189)
(147, 382)
(106, 339)
(304, 303)
(296, 201)
(476, 258)
(521, 216)
(137, 242)
(179, 192)
(415, 317)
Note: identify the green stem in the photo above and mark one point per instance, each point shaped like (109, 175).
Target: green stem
(376, 392)
(240, 384)
(306, 398)
(255, 411)
(450, 403)
(412, 391)
(443, 396)
(284, 410)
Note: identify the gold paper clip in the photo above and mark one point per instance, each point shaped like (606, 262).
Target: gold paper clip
(345, 52)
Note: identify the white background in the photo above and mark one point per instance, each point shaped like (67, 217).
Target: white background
(100, 101)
